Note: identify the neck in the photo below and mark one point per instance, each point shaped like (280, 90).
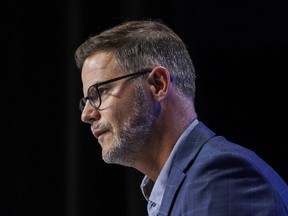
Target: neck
(166, 131)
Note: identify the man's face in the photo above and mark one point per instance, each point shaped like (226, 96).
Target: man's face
(123, 122)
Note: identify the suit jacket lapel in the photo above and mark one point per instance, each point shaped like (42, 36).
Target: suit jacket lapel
(183, 158)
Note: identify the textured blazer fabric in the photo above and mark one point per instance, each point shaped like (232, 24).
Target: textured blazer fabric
(212, 176)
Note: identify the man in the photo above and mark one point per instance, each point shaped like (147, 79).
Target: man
(139, 89)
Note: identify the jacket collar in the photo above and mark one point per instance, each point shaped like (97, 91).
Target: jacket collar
(183, 159)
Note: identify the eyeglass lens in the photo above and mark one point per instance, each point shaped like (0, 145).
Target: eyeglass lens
(94, 96)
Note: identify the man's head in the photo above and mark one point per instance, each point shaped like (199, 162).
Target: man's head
(138, 77)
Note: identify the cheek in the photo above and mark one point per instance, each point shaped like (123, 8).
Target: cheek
(117, 118)
(122, 114)
(121, 109)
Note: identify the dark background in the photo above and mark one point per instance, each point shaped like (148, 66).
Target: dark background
(50, 164)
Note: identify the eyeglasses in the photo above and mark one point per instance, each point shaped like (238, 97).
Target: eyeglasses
(94, 93)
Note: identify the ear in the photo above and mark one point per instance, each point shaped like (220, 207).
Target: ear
(159, 80)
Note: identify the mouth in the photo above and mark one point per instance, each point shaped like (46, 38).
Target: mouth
(97, 133)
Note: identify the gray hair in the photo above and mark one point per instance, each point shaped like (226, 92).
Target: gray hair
(144, 44)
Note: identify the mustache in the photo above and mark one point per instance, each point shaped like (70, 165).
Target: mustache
(100, 126)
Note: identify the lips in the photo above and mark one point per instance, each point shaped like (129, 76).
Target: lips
(98, 132)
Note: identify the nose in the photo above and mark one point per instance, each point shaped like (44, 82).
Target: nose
(90, 114)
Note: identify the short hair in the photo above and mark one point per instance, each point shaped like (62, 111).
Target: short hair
(143, 44)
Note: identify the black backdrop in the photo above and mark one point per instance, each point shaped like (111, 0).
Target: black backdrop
(50, 163)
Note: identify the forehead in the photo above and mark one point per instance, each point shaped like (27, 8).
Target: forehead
(97, 68)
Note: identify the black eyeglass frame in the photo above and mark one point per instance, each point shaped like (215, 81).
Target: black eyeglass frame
(83, 100)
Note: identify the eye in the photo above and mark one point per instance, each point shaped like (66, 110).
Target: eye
(103, 91)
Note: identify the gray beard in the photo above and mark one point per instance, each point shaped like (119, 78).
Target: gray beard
(134, 132)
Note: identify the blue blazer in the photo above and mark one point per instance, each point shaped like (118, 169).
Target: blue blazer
(211, 176)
